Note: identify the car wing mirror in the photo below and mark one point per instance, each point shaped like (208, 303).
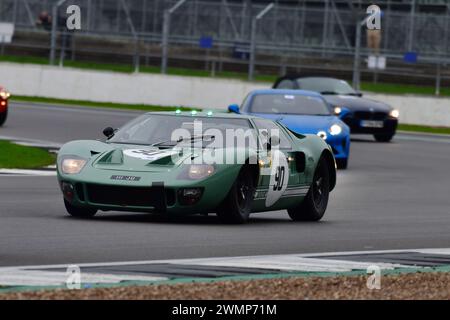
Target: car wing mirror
(234, 108)
(109, 132)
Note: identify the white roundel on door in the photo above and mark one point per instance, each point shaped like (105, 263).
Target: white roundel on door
(279, 177)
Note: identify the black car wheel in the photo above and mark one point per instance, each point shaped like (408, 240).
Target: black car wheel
(383, 137)
(237, 205)
(316, 201)
(3, 116)
(342, 163)
(79, 212)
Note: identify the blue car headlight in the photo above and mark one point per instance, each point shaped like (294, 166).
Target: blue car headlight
(335, 130)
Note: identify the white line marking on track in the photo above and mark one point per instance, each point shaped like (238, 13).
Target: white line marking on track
(16, 277)
(25, 173)
(308, 262)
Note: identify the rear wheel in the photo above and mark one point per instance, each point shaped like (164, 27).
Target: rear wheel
(237, 205)
(3, 116)
(383, 137)
(316, 201)
(79, 212)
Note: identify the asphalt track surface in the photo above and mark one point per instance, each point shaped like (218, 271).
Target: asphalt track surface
(393, 196)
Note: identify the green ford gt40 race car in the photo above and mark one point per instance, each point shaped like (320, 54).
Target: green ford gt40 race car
(196, 162)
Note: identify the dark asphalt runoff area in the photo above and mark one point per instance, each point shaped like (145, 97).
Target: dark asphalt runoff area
(393, 196)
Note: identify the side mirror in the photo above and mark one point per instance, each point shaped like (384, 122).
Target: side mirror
(234, 108)
(109, 132)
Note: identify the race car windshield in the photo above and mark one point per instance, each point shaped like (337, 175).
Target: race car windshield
(289, 104)
(326, 86)
(166, 130)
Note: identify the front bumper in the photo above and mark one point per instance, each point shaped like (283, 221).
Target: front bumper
(389, 126)
(151, 194)
(340, 145)
(3, 105)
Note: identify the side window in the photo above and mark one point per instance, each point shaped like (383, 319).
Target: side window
(285, 84)
(265, 128)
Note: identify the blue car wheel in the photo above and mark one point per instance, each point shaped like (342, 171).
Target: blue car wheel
(342, 163)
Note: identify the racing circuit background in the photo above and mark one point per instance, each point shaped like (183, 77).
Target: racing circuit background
(393, 195)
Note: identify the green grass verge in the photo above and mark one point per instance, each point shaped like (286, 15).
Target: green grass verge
(14, 156)
(426, 129)
(85, 103)
(393, 88)
(128, 68)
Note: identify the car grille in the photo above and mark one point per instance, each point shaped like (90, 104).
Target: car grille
(367, 115)
(130, 196)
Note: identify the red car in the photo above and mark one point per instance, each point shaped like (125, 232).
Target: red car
(4, 96)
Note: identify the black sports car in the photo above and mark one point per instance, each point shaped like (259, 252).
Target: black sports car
(362, 115)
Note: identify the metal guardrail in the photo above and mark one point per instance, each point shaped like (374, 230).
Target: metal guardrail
(320, 29)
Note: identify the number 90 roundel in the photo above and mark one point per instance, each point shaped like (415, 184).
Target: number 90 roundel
(279, 178)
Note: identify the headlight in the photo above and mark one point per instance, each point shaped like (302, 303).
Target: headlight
(4, 94)
(200, 171)
(322, 134)
(335, 129)
(337, 110)
(394, 113)
(72, 166)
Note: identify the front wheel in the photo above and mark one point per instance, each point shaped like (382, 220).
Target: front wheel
(342, 163)
(316, 201)
(237, 205)
(3, 116)
(79, 212)
(383, 137)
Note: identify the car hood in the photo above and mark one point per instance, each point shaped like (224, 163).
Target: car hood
(354, 103)
(304, 124)
(136, 158)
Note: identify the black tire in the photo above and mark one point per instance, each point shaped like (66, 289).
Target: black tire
(342, 163)
(315, 203)
(236, 207)
(3, 116)
(383, 137)
(79, 212)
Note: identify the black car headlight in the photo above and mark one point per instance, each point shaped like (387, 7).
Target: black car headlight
(394, 113)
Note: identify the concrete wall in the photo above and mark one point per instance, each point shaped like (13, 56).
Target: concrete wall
(68, 83)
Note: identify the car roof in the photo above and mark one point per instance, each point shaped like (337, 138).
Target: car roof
(298, 76)
(287, 92)
(295, 76)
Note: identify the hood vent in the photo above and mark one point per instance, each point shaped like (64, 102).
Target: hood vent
(112, 157)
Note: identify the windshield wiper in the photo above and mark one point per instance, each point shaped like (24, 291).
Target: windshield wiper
(199, 137)
(165, 143)
(133, 143)
(329, 92)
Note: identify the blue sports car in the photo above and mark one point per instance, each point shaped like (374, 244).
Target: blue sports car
(304, 112)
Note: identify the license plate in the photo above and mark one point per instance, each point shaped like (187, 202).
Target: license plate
(372, 124)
